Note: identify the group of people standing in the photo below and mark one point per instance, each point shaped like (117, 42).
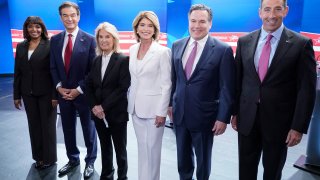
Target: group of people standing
(267, 91)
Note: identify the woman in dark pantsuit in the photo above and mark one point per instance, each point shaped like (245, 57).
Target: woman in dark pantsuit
(33, 83)
(106, 91)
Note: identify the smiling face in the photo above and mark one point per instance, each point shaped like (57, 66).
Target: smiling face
(145, 29)
(199, 24)
(70, 18)
(105, 41)
(272, 13)
(34, 31)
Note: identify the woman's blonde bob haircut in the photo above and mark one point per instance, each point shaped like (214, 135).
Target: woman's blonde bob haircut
(150, 15)
(113, 31)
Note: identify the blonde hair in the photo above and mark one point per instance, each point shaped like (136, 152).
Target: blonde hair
(113, 31)
(150, 15)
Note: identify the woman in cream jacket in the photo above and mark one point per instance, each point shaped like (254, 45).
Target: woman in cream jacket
(149, 93)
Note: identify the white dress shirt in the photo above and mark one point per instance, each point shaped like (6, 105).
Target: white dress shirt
(201, 44)
(66, 39)
(30, 52)
(104, 63)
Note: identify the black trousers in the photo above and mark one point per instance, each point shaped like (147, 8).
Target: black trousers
(115, 135)
(274, 153)
(42, 127)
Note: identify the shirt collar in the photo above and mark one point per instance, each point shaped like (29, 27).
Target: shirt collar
(201, 42)
(74, 33)
(107, 55)
(276, 34)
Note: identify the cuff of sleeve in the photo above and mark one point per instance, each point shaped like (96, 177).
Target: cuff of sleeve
(80, 90)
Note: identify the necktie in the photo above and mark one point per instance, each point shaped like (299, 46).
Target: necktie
(264, 58)
(67, 54)
(190, 61)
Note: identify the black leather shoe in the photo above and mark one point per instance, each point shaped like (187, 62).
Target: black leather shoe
(68, 167)
(88, 171)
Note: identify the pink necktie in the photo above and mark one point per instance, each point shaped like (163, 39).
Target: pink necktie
(190, 61)
(264, 58)
(67, 54)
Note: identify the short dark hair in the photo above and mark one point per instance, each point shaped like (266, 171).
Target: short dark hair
(201, 7)
(284, 3)
(34, 20)
(67, 4)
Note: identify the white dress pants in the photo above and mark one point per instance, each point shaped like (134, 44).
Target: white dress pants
(149, 139)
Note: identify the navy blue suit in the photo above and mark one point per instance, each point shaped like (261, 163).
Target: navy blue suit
(198, 102)
(82, 56)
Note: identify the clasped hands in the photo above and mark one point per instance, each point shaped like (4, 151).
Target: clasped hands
(68, 94)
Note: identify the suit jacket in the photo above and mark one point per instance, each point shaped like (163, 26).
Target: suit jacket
(286, 96)
(81, 60)
(150, 89)
(110, 91)
(209, 93)
(32, 77)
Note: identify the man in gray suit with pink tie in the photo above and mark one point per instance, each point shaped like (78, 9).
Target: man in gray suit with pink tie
(276, 79)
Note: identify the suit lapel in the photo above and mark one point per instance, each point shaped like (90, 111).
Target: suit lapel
(110, 66)
(208, 50)
(133, 58)
(283, 46)
(78, 45)
(37, 50)
(180, 56)
(251, 47)
(60, 48)
(97, 67)
(148, 57)
(24, 50)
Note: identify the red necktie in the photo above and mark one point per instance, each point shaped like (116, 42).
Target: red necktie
(190, 61)
(67, 54)
(264, 58)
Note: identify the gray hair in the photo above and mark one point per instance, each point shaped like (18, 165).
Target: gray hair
(201, 7)
(113, 31)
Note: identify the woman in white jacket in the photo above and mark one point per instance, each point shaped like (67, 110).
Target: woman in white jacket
(149, 93)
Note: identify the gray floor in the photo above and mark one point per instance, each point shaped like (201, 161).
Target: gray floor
(16, 162)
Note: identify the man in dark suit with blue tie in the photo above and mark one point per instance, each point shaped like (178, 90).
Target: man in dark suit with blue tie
(71, 55)
(276, 79)
(203, 89)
